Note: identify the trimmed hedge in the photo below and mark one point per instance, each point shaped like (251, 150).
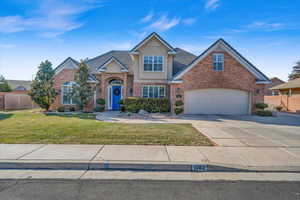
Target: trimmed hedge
(179, 103)
(152, 105)
(99, 109)
(261, 106)
(265, 113)
(100, 101)
(61, 109)
(178, 111)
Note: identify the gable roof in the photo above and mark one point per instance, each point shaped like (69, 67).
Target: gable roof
(158, 37)
(224, 45)
(122, 56)
(291, 84)
(68, 63)
(111, 59)
(19, 85)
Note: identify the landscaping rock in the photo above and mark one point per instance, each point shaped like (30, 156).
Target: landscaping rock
(143, 112)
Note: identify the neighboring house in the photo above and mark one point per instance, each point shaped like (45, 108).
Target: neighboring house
(289, 95)
(19, 85)
(274, 82)
(219, 81)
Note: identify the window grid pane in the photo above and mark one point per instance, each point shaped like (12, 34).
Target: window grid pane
(218, 62)
(153, 63)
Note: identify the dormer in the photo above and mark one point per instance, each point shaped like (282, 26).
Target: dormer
(112, 65)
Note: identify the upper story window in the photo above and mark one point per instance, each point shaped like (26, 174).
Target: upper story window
(66, 93)
(153, 63)
(154, 91)
(218, 62)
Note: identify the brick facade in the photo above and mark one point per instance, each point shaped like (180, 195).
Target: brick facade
(137, 88)
(202, 76)
(63, 76)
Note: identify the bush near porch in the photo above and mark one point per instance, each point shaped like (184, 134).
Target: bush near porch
(152, 105)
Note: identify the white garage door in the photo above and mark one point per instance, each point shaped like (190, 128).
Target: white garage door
(216, 101)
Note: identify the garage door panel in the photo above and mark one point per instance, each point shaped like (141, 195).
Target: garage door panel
(216, 101)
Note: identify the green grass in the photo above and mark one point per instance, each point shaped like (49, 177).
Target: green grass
(31, 126)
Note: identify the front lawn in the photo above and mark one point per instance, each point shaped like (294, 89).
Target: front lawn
(31, 126)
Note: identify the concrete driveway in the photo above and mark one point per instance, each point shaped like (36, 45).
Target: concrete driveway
(251, 131)
(231, 131)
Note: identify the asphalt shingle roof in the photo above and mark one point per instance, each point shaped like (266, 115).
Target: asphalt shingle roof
(291, 84)
(181, 60)
(122, 56)
(19, 84)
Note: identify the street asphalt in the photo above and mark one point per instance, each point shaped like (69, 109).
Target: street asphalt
(141, 189)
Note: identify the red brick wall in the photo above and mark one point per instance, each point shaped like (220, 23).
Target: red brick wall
(234, 76)
(63, 76)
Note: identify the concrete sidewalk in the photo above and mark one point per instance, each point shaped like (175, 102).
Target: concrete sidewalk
(160, 158)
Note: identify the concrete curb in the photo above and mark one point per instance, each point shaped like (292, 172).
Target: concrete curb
(140, 166)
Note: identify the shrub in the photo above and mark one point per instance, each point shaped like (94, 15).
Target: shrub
(279, 108)
(261, 106)
(152, 105)
(265, 113)
(99, 109)
(178, 110)
(122, 108)
(61, 109)
(72, 109)
(179, 103)
(121, 102)
(100, 101)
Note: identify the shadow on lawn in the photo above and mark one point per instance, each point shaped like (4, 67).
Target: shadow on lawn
(73, 115)
(4, 116)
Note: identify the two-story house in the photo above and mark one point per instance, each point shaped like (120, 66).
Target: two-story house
(219, 81)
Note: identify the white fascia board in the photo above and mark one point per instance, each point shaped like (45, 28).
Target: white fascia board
(263, 82)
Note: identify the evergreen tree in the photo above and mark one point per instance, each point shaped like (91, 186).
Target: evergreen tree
(42, 91)
(82, 90)
(4, 87)
(296, 72)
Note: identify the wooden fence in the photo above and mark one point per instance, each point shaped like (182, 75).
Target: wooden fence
(290, 103)
(15, 101)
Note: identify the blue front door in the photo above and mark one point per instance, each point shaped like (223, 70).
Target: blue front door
(116, 97)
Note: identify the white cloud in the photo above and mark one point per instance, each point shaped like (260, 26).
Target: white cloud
(212, 4)
(189, 21)
(50, 19)
(265, 26)
(7, 46)
(164, 23)
(262, 26)
(147, 18)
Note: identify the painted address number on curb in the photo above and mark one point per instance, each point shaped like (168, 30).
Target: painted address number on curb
(199, 168)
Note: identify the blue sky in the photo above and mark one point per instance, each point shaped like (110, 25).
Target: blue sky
(265, 32)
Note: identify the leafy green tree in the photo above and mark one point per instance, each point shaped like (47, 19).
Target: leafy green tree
(42, 91)
(4, 87)
(296, 71)
(82, 90)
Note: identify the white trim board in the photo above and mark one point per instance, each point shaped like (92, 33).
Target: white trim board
(133, 51)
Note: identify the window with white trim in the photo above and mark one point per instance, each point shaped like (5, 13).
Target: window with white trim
(154, 91)
(153, 63)
(66, 93)
(218, 62)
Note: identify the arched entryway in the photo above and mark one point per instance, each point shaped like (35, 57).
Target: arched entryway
(115, 94)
